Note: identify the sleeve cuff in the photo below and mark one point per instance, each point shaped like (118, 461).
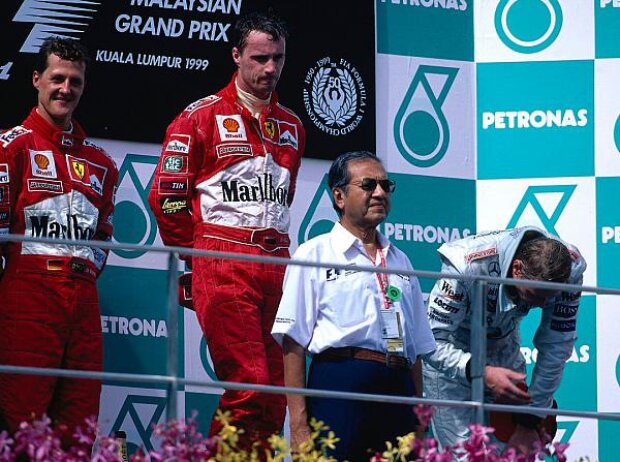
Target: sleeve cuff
(468, 370)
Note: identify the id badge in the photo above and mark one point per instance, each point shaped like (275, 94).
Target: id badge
(390, 324)
(395, 345)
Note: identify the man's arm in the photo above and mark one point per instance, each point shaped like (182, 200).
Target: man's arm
(295, 376)
(416, 376)
(173, 183)
(106, 214)
(448, 304)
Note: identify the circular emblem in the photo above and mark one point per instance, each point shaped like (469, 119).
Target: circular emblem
(494, 269)
(334, 96)
(528, 26)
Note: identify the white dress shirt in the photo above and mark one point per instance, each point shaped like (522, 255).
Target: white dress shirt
(323, 308)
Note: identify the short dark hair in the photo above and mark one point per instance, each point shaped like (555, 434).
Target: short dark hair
(269, 23)
(338, 176)
(65, 48)
(545, 259)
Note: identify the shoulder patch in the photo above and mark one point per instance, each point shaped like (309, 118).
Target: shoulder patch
(9, 135)
(480, 254)
(89, 143)
(202, 102)
(289, 111)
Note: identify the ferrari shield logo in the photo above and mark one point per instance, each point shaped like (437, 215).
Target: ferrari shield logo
(78, 168)
(270, 128)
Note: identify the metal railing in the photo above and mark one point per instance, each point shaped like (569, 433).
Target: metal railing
(172, 381)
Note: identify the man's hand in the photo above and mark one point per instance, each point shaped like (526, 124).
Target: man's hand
(523, 439)
(300, 433)
(503, 383)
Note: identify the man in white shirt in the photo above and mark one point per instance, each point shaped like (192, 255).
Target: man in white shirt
(365, 330)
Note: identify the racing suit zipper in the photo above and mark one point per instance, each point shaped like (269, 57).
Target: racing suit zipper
(257, 126)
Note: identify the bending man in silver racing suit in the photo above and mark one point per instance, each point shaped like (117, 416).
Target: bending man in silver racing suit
(521, 253)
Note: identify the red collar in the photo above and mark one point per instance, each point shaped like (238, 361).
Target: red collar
(65, 140)
(229, 93)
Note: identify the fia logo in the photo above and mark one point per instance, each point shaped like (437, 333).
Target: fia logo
(334, 96)
(54, 17)
(547, 202)
(135, 222)
(528, 26)
(321, 215)
(143, 412)
(421, 130)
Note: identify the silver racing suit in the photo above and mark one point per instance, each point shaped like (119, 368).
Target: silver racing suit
(446, 371)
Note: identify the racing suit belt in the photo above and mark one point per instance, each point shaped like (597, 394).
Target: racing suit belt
(389, 359)
(71, 266)
(267, 239)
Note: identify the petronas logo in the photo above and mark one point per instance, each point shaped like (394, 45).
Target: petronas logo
(321, 215)
(421, 130)
(134, 222)
(206, 360)
(138, 415)
(547, 204)
(618, 370)
(528, 26)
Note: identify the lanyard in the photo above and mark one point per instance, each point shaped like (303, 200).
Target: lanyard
(383, 279)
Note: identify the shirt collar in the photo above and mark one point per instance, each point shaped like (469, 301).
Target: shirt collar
(343, 240)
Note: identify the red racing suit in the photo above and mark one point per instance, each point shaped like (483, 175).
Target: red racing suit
(225, 182)
(53, 184)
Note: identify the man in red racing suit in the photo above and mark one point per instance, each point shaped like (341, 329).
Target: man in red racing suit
(225, 182)
(53, 184)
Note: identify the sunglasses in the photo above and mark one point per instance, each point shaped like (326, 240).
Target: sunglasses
(370, 184)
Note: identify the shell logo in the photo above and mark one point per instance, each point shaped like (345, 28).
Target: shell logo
(42, 161)
(231, 125)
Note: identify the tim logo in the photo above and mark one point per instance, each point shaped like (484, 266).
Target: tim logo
(54, 17)
(137, 416)
(133, 218)
(546, 202)
(421, 131)
(528, 26)
(321, 215)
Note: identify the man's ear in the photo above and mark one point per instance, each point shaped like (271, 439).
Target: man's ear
(339, 196)
(35, 79)
(517, 269)
(236, 56)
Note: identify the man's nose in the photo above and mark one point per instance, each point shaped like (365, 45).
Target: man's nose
(270, 67)
(65, 86)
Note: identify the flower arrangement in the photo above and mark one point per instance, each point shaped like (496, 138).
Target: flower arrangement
(181, 442)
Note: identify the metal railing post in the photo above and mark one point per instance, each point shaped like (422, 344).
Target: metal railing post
(173, 337)
(478, 348)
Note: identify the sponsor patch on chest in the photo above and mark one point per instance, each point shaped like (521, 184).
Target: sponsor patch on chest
(227, 150)
(288, 134)
(42, 164)
(231, 127)
(87, 173)
(45, 186)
